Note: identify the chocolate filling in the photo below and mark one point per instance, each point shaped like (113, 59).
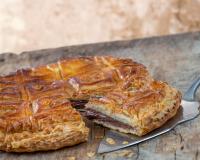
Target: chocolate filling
(95, 115)
(98, 116)
(78, 104)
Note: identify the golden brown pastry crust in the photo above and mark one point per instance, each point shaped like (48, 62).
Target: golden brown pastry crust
(143, 110)
(36, 114)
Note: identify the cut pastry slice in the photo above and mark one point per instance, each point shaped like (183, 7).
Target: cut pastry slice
(137, 112)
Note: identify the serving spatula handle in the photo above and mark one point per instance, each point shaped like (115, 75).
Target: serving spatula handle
(190, 93)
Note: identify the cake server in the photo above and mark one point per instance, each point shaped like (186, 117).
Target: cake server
(189, 110)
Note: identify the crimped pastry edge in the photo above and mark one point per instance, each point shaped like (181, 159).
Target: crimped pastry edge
(63, 136)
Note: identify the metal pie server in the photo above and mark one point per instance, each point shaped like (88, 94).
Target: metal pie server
(189, 110)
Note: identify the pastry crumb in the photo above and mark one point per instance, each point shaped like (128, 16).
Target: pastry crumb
(90, 154)
(126, 153)
(98, 137)
(125, 142)
(110, 141)
(71, 158)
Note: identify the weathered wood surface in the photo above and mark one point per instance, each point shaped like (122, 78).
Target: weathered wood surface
(175, 59)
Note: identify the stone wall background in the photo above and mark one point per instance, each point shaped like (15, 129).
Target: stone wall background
(36, 24)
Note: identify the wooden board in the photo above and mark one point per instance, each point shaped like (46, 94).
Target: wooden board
(175, 59)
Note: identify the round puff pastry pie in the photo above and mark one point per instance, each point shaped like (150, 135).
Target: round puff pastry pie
(37, 105)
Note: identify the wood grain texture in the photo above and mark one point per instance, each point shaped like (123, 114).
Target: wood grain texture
(175, 59)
